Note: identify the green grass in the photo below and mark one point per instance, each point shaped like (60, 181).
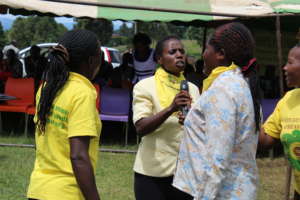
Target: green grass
(113, 176)
(114, 173)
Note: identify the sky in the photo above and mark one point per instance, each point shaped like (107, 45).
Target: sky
(8, 19)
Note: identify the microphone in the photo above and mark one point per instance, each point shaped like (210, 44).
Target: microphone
(184, 87)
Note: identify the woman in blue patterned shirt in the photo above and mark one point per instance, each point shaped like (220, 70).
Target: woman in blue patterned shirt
(217, 153)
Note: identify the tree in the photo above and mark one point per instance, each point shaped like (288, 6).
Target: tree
(33, 30)
(196, 33)
(2, 37)
(179, 31)
(103, 28)
(126, 31)
(155, 30)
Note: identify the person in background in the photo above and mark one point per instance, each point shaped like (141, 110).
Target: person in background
(142, 57)
(35, 64)
(104, 75)
(67, 122)
(217, 156)
(13, 46)
(14, 65)
(4, 73)
(284, 123)
(156, 102)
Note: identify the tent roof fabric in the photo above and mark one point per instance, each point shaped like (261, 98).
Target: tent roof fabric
(155, 10)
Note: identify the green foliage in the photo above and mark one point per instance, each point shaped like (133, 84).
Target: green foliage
(197, 33)
(179, 31)
(156, 30)
(2, 37)
(103, 28)
(119, 40)
(34, 29)
(126, 31)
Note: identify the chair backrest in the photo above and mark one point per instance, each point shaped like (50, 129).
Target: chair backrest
(22, 88)
(98, 96)
(114, 101)
(268, 106)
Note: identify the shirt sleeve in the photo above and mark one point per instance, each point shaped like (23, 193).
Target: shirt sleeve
(272, 126)
(194, 92)
(142, 103)
(82, 120)
(220, 115)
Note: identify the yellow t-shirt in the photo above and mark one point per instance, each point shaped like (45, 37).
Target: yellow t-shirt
(158, 151)
(284, 124)
(73, 114)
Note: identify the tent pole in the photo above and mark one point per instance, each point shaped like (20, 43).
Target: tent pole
(204, 39)
(280, 62)
(279, 54)
(136, 27)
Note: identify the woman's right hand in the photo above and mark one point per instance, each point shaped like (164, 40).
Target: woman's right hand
(181, 99)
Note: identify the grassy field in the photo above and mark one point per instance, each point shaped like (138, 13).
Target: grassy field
(114, 173)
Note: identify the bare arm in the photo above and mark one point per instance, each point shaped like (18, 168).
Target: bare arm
(146, 125)
(266, 141)
(82, 167)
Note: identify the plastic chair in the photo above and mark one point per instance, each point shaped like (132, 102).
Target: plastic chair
(98, 96)
(32, 109)
(23, 90)
(268, 106)
(115, 105)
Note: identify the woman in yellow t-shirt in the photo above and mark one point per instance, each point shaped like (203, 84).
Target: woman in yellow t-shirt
(67, 122)
(156, 102)
(284, 123)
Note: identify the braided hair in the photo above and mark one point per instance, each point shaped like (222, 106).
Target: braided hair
(237, 43)
(75, 47)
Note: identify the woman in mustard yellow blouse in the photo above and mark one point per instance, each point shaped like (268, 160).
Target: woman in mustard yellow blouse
(68, 125)
(156, 102)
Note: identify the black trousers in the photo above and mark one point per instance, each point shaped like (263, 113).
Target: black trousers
(157, 188)
(296, 196)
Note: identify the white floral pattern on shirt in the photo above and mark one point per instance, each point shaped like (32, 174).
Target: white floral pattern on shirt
(217, 153)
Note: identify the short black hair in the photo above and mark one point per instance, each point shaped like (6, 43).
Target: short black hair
(160, 45)
(141, 38)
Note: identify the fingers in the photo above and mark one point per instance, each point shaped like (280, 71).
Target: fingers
(181, 99)
(181, 118)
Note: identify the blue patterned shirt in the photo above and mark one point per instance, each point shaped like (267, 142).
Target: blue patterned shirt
(217, 153)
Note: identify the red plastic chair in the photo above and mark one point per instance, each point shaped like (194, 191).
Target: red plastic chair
(32, 109)
(23, 90)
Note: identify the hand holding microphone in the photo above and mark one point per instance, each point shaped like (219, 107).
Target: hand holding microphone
(184, 87)
(182, 101)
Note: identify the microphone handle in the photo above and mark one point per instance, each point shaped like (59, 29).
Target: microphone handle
(184, 110)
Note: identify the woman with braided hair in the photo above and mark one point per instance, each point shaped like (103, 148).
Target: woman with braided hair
(67, 122)
(217, 153)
